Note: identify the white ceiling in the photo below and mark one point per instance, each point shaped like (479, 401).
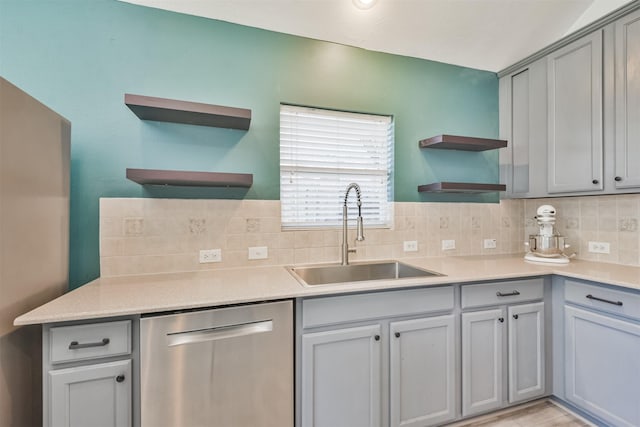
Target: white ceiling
(483, 34)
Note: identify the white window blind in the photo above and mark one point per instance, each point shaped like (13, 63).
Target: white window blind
(321, 153)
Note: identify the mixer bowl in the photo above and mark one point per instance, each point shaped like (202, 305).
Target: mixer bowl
(546, 246)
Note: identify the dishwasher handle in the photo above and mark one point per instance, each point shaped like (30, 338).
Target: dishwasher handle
(219, 333)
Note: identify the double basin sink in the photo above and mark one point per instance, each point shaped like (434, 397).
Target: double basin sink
(332, 274)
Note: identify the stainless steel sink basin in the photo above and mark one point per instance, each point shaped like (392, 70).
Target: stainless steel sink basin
(356, 272)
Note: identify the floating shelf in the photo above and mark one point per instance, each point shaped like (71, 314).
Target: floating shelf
(193, 113)
(460, 187)
(189, 179)
(453, 142)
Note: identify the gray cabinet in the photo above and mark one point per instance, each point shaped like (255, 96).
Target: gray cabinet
(523, 122)
(601, 347)
(503, 346)
(378, 359)
(627, 102)
(341, 372)
(482, 366)
(575, 131)
(93, 395)
(602, 373)
(422, 371)
(88, 374)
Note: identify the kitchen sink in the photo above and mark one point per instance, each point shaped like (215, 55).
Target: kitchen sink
(357, 272)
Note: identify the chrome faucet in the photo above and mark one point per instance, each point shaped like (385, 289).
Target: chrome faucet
(359, 226)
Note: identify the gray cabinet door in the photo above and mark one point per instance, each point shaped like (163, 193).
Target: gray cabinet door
(93, 395)
(526, 351)
(482, 347)
(602, 372)
(341, 374)
(575, 116)
(422, 371)
(627, 83)
(523, 122)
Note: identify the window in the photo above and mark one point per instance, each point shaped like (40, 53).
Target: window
(321, 153)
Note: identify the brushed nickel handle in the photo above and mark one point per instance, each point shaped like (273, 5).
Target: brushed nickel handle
(619, 303)
(223, 332)
(75, 345)
(508, 294)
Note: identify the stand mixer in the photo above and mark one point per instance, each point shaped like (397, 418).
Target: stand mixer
(548, 245)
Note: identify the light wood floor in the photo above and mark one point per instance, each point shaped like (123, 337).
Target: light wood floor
(540, 414)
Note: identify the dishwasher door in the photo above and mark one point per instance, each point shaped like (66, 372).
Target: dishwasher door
(228, 367)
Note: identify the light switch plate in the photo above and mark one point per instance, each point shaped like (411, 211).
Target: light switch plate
(599, 247)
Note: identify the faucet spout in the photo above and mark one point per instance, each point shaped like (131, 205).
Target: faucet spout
(359, 224)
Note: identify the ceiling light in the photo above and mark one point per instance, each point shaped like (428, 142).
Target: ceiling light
(364, 4)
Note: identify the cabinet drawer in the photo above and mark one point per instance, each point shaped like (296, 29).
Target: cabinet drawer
(603, 299)
(502, 292)
(355, 308)
(91, 341)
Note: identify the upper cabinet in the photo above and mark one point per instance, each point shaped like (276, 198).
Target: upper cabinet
(627, 95)
(570, 112)
(575, 116)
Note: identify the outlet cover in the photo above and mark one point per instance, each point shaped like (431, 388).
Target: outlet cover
(448, 245)
(490, 243)
(258, 252)
(210, 255)
(410, 245)
(599, 247)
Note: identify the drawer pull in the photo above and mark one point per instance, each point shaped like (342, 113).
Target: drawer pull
(605, 300)
(508, 294)
(74, 345)
(397, 334)
(515, 316)
(501, 319)
(376, 337)
(120, 378)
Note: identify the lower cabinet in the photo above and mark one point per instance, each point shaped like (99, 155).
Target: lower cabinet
(422, 371)
(341, 373)
(88, 374)
(484, 336)
(398, 368)
(92, 395)
(602, 371)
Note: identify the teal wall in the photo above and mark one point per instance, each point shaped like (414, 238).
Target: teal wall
(80, 56)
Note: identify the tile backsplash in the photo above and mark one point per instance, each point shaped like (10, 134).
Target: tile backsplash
(609, 219)
(140, 236)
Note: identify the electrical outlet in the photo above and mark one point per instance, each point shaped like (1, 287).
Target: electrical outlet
(258, 252)
(599, 247)
(210, 255)
(448, 245)
(410, 245)
(490, 243)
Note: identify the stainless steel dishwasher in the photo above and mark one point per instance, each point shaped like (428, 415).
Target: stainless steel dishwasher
(227, 367)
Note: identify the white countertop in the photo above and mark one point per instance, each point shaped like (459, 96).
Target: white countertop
(127, 295)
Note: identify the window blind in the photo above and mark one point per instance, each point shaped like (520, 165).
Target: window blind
(321, 153)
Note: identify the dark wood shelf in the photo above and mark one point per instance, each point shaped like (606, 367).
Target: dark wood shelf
(460, 187)
(193, 113)
(453, 142)
(189, 179)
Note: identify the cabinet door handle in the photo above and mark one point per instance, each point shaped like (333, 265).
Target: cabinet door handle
(74, 345)
(618, 178)
(515, 316)
(508, 294)
(501, 319)
(376, 337)
(120, 378)
(595, 181)
(397, 334)
(605, 300)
